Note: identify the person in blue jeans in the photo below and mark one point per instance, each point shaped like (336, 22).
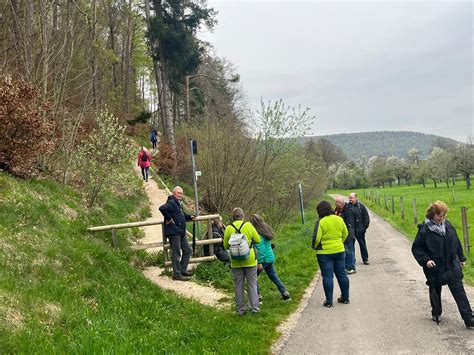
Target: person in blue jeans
(344, 210)
(266, 257)
(329, 235)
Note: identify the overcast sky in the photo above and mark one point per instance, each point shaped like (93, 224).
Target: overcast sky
(358, 65)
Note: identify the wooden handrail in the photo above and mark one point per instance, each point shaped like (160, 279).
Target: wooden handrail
(143, 224)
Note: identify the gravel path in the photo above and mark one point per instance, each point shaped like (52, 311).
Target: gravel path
(205, 295)
(389, 310)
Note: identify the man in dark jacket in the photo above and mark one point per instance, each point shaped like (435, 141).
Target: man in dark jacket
(344, 210)
(361, 223)
(175, 231)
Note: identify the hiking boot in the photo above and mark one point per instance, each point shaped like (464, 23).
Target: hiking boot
(469, 323)
(351, 271)
(181, 278)
(187, 273)
(327, 304)
(342, 300)
(286, 296)
(366, 262)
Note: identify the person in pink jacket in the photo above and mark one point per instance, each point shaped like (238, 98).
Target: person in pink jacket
(144, 162)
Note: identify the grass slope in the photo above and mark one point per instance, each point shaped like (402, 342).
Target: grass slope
(424, 196)
(64, 290)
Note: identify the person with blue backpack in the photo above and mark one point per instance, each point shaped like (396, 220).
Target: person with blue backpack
(240, 238)
(266, 257)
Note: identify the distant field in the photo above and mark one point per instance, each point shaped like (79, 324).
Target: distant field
(423, 196)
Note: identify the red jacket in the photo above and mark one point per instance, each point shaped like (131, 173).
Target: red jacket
(141, 163)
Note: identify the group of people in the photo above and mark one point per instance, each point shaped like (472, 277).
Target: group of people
(247, 247)
(259, 257)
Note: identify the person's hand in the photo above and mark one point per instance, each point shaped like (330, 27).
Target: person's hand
(170, 221)
(463, 263)
(430, 264)
(260, 267)
(193, 218)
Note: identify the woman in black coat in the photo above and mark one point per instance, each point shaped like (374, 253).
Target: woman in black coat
(438, 250)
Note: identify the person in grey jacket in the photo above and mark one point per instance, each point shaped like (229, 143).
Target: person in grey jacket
(175, 231)
(361, 223)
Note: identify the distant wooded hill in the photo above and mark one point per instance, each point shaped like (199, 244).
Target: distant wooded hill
(384, 143)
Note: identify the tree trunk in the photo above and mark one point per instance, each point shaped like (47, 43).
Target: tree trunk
(467, 178)
(28, 42)
(435, 184)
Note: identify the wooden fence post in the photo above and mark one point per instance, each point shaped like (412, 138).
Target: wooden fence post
(209, 236)
(114, 238)
(393, 205)
(386, 201)
(415, 217)
(402, 211)
(165, 252)
(465, 229)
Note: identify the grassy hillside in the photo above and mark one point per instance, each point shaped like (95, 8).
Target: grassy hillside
(423, 198)
(383, 143)
(63, 290)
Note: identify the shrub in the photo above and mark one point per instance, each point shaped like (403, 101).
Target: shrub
(24, 125)
(166, 159)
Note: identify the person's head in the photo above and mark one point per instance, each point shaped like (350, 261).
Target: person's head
(144, 149)
(178, 193)
(218, 223)
(261, 227)
(437, 211)
(237, 214)
(324, 209)
(352, 198)
(339, 203)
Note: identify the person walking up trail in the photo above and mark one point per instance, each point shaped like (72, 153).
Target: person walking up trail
(361, 221)
(154, 139)
(266, 257)
(438, 250)
(144, 162)
(329, 235)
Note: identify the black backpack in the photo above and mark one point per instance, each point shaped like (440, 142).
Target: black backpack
(144, 156)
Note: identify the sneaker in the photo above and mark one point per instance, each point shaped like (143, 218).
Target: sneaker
(366, 262)
(181, 278)
(469, 323)
(342, 300)
(327, 304)
(286, 296)
(187, 273)
(351, 271)
(436, 319)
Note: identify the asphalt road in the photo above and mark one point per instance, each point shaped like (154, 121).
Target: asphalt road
(389, 310)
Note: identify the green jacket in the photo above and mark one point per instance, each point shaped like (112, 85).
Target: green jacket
(265, 251)
(329, 235)
(252, 236)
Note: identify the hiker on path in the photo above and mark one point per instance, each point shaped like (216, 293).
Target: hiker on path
(438, 250)
(175, 231)
(144, 162)
(361, 223)
(154, 139)
(344, 210)
(266, 257)
(244, 266)
(329, 235)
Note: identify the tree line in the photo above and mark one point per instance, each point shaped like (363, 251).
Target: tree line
(444, 164)
(79, 77)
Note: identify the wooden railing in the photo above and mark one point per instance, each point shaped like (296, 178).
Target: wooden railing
(207, 238)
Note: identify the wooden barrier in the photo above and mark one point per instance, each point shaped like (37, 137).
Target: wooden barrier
(465, 229)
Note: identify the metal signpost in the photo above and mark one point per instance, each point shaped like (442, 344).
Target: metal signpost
(195, 176)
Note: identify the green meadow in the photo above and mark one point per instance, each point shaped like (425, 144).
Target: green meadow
(454, 198)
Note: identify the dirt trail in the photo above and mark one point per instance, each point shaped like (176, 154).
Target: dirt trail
(389, 310)
(205, 295)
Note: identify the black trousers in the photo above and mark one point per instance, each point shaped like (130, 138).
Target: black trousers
(459, 294)
(179, 244)
(363, 246)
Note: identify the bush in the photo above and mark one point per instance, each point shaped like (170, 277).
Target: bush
(166, 159)
(24, 125)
